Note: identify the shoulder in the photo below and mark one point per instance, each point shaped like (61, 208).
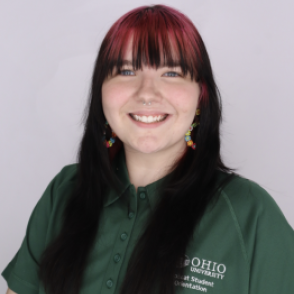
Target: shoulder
(58, 189)
(44, 224)
(65, 179)
(266, 237)
(253, 210)
(246, 195)
(256, 215)
(67, 173)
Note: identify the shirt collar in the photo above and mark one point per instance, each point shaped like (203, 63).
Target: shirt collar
(119, 167)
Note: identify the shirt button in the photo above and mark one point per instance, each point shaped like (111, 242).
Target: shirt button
(116, 258)
(109, 283)
(123, 236)
(142, 195)
(131, 215)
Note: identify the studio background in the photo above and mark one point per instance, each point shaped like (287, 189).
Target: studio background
(47, 53)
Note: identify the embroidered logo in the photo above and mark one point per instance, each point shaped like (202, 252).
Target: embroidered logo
(201, 266)
(208, 268)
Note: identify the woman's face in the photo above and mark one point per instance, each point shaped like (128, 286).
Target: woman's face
(171, 95)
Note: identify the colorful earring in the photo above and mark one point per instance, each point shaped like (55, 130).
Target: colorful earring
(108, 143)
(188, 139)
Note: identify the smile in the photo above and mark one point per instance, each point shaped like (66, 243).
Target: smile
(148, 119)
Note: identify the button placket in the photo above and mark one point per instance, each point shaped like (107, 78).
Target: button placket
(143, 201)
(120, 247)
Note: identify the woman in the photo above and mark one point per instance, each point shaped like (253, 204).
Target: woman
(150, 207)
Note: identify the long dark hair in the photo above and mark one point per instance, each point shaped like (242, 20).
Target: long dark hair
(160, 35)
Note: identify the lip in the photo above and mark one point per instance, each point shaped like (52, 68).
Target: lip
(150, 125)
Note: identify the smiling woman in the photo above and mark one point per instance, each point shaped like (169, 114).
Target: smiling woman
(152, 59)
(150, 207)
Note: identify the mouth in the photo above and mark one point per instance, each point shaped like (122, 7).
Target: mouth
(150, 119)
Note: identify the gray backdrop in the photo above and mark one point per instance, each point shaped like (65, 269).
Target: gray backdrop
(47, 53)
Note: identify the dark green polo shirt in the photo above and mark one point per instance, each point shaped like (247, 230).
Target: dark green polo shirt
(243, 243)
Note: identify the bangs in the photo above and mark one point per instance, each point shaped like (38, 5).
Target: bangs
(158, 38)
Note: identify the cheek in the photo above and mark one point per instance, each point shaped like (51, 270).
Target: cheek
(113, 97)
(185, 99)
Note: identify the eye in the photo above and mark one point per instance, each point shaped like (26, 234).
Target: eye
(127, 72)
(172, 74)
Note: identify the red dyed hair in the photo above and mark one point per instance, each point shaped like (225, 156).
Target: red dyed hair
(161, 36)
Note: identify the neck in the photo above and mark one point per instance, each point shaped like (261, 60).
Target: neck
(146, 168)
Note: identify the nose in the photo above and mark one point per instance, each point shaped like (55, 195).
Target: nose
(148, 90)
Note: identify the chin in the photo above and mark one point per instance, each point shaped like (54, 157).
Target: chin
(147, 148)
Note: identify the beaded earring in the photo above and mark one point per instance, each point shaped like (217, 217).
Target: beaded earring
(108, 143)
(188, 139)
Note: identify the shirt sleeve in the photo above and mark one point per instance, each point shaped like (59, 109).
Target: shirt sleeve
(272, 254)
(21, 273)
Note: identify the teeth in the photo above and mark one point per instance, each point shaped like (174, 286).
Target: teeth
(149, 119)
